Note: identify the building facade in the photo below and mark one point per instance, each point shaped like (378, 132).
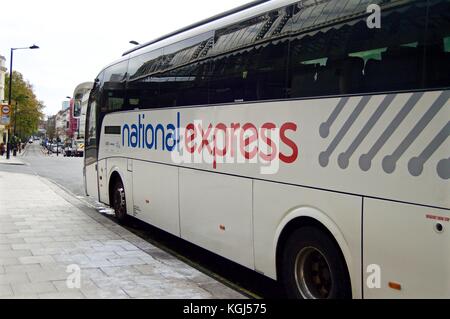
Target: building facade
(62, 122)
(50, 127)
(3, 130)
(2, 77)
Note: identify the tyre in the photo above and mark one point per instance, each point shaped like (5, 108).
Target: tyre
(119, 203)
(313, 266)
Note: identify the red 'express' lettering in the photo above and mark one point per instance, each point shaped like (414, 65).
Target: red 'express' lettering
(247, 142)
(290, 143)
(270, 156)
(190, 136)
(252, 142)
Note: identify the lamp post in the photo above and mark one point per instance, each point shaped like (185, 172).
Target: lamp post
(33, 47)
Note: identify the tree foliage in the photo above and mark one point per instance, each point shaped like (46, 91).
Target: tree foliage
(51, 129)
(26, 108)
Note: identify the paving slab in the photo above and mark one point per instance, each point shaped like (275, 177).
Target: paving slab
(53, 248)
(13, 160)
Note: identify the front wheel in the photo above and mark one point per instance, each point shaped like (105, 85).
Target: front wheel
(313, 266)
(119, 203)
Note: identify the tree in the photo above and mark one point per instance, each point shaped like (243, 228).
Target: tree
(50, 127)
(26, 109)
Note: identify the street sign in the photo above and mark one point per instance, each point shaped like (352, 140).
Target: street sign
(5, 109)
(5, 117)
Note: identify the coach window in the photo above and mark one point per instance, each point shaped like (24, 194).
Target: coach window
(227, 79)
(186, 85)
(437, 46)
(114, 88)
(267, 72)
(193, 82)
(143, 85)
(184, 77)
(268, 67)
(233, 70)
(392, 56)
(349, 57)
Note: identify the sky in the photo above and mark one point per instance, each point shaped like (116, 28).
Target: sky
(77, 38)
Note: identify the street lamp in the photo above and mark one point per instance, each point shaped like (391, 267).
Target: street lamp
(33, 47)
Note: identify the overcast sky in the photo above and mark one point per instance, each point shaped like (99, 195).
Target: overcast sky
(79, 37)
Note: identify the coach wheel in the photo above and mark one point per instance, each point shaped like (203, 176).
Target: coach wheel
(313, 267)
(119, 202)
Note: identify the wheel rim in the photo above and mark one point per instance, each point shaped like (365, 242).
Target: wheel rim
(313, 274)
(119, 202)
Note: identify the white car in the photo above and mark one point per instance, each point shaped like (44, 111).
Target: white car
(57, 149)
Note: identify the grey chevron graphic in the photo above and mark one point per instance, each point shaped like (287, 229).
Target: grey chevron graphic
(325, 127)
(443, 168)
(365, 161)
(390, 161)
(324, 157)
(344, 158)
(416, 164)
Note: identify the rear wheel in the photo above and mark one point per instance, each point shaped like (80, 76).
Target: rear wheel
(313, 266)
(119, 202)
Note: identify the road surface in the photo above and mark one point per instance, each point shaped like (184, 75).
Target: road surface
(67, 172)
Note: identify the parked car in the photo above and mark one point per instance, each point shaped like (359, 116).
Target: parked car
(68, 151)
(74, 148)
(79, 148)
(57, 148)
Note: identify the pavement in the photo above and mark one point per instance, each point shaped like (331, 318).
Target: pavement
(13, 160)
(53, 247)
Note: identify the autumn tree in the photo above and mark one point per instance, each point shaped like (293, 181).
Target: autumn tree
(26, 108)
(50, 127)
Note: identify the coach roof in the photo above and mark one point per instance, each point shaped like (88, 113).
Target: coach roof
(201, 23)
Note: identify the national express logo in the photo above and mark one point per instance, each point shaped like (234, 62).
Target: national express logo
(216, 143)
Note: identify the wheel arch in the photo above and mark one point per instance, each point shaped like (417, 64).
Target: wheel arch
(114, 176)
(308, 216)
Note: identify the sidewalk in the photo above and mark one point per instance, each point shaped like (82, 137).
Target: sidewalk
(42, 231)
(13, 160)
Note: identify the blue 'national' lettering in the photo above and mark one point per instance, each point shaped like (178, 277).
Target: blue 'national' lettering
(153, 137)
